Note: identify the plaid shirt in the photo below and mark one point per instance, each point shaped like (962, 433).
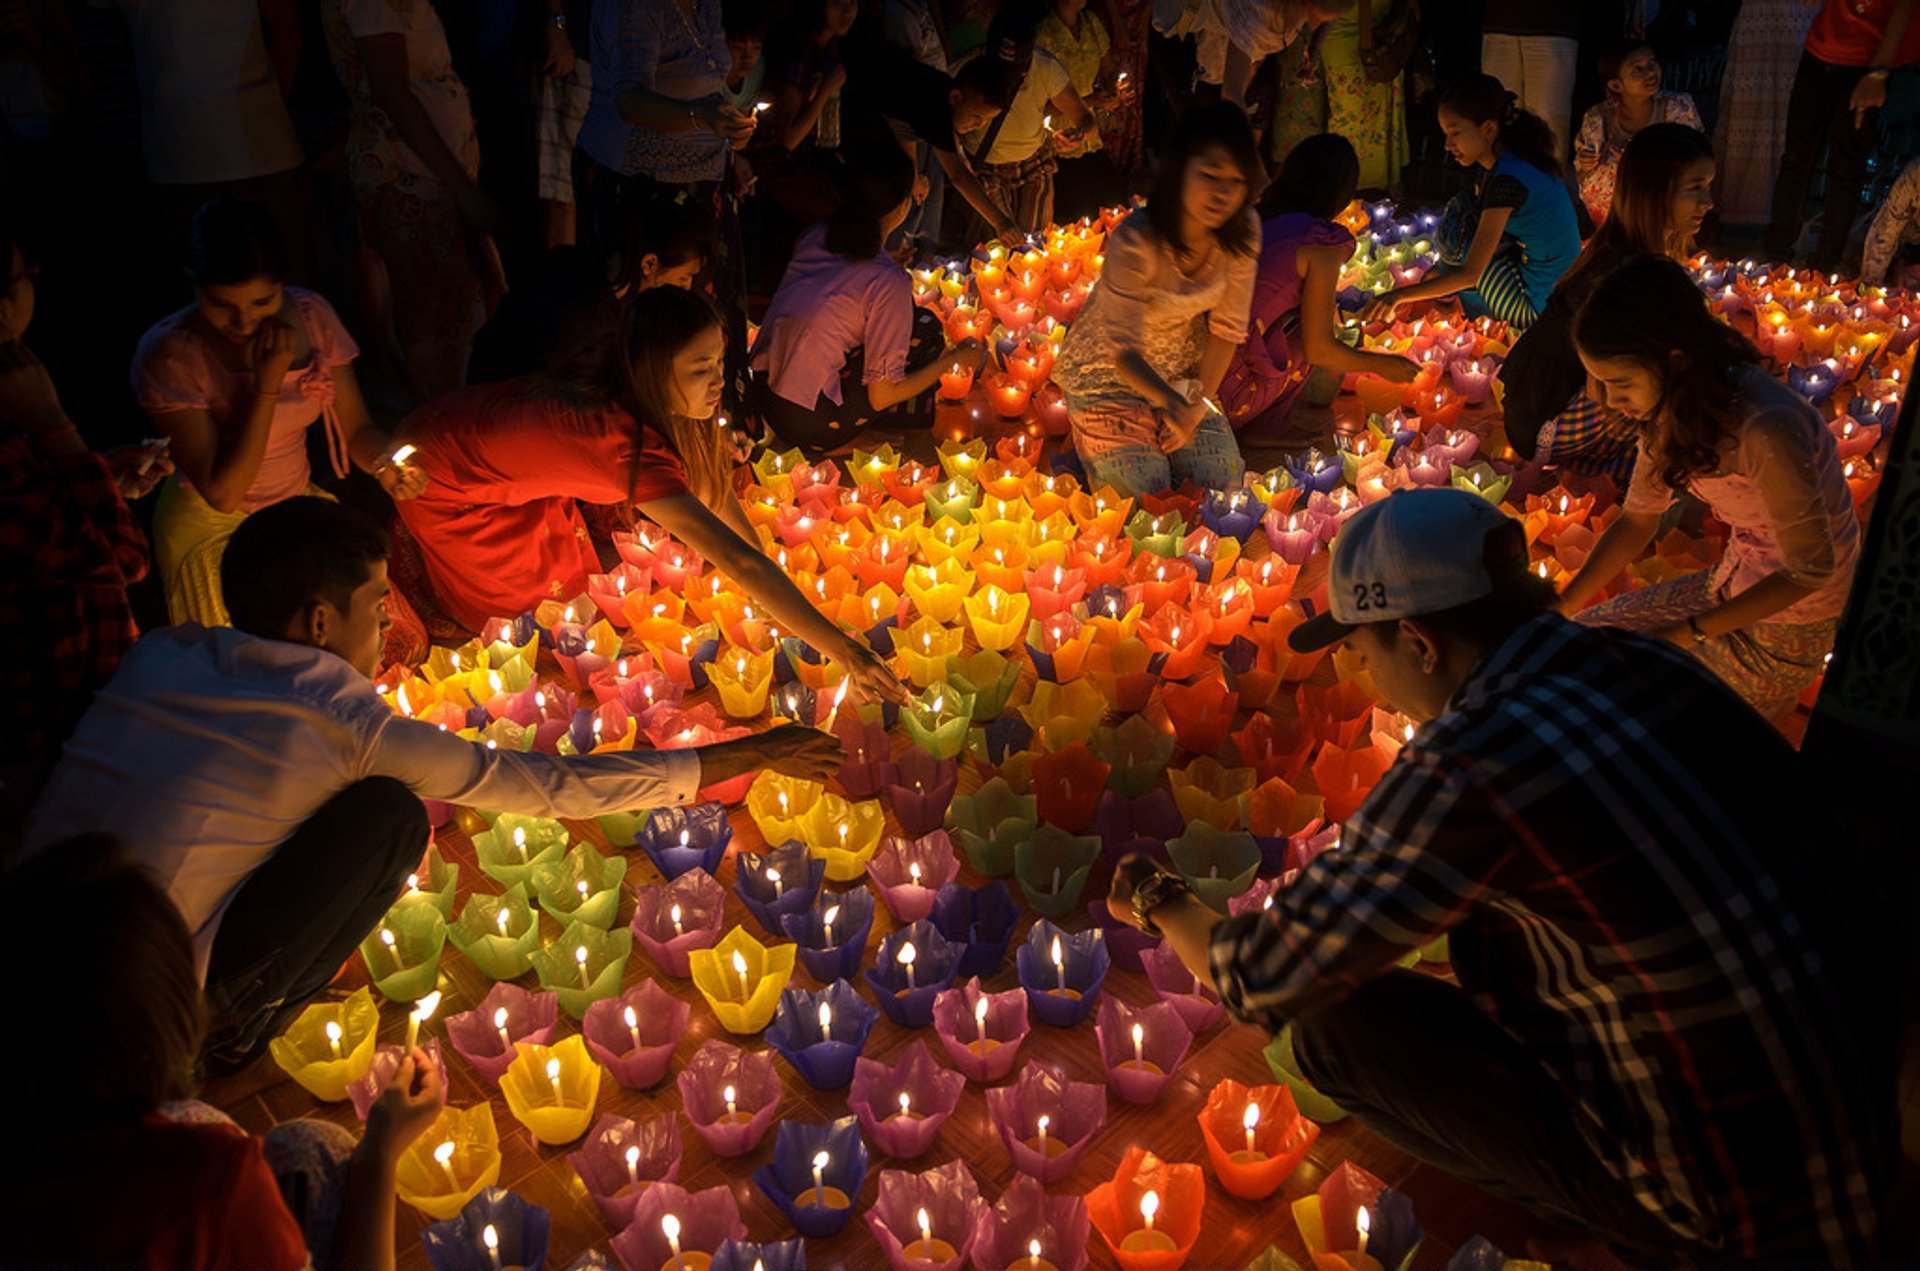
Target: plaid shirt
(1632, 890)
(68, 549)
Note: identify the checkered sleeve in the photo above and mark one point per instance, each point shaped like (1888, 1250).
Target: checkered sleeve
(1412, 862)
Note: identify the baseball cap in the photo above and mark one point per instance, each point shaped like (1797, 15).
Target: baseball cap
(1414, 552)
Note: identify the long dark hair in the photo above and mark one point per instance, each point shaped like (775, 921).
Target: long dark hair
(127, 995)
(1220, 124)
(662, 321)
(1641, 219)
(231, 242)
(1319, 177)
(1482, 99)
(1650, 313)
(872, 182)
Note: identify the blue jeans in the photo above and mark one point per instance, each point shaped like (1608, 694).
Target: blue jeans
(1211, 461)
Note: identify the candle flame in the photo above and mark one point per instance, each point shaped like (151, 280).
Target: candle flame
(333, 1032)
(1149, 1206)
(670, 1226)
(553, 1070)
(1251, 1117)
(444, 1152)
(500, 1018)
(821, 1159)
(424, 1008)
(490, 1238)
(739, 963)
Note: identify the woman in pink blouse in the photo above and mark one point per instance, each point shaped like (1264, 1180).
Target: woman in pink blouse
(1719, 427)
(234, 381)
(843, 346)
(1143, 362)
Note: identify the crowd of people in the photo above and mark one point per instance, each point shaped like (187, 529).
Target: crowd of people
(579, 292)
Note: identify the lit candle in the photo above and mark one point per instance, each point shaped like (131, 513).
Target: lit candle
(773, 876)
(1251, 1120)
(553, 1079)
(1139, 1043)
(826, 924)
(1059, 965)
(1363, 1223)
(500, 920)
(633, 1026)
(393, 948)
(820, 1160)
(333, 1038)
(520, 837)
(633, 1166)
(1041, 1126)
(500, 1026)
(826, 1022)
(580, 960)
(980, 1023)
(740, 969)
(670, 1227)
(906, 1106)
(839, 695)
(443, 1157)
(728, 1095)
(1033, 1246)
(491, 1239)
(1149, 1206)
(673, 915)
(906, 956)
(422, 1012)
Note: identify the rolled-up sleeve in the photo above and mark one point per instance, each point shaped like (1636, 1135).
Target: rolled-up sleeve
(439, 765)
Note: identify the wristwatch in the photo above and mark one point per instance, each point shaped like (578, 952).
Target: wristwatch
(1157, 890)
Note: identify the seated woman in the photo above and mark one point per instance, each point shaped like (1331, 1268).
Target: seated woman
(1663, 193)
(127, 1170)
(1509, 241)
(1715, 425)
(499, 530)
(234, 381)
(843, 346)
(1634, 101)
(1140, 365)
(1302, 250)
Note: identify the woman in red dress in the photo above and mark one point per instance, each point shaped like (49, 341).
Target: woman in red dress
(500, 530)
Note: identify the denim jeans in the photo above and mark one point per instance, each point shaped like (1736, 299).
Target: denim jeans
(1211, 461)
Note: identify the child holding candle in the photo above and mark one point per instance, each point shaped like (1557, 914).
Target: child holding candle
(235, 381)
(1509, 242)
(1138, 367)
(501, 531)
(843, 348)
(1302, 250)
(127, 1169)
(1715, 425)
(1652, 965)
(1661, 196)
(1634, 101)
(277, 794)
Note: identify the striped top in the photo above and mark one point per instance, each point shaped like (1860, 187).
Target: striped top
(1634, 892)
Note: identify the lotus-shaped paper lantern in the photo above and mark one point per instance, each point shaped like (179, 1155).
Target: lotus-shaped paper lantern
(815, 1175)
(672, 920)
(552, 1089)
(902, 1107)
(582, 886)
(454, 1161)
(619, 1160)
(495, 1228)
(1045, 1121)
(729, 1096)
(992, 822)
(844, 834)
(1062, 973)
(924, 1220)
(1140, 1047)
(1255, 1137)
(830, 937)
(821, 1034)
(634, 1034)
(1028, 1230)
(670, 1224)
(1145, 1234)
(909, 872)
(679, 839)
(329, 1045)
(584, 965)
(741, 979)
(978, 921)
(1052, 867)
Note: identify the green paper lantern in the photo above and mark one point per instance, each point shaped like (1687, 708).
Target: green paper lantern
(406, 969)
(560, 966)
(514, 844)
(582, 886)
(502, 951)
(1052, 866)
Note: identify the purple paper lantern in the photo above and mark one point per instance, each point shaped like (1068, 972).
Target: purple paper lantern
(1025, 1221)
(830, 948)
(1199, 1006)
(817, 1210)
(476, 1034)
(905, 990)
(680, 839)
(823, 1056)
(707, 1219)
(909, 872)
(1075, 1113)
(715, 1068)
(1127, 945)
(980, 920)
(930, 1094)
(780, 882)
(634, 1034)
(669, 940)
(919, 790)
(1062, 993)
(619, 1160)
(768, 1255)
(948, 1198)
(459, 1242)
(869, 751)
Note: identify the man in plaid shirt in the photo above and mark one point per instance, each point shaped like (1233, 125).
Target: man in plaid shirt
(1651, 1040)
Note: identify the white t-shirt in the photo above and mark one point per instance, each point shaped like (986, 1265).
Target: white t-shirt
(209, 747)
(1022, 135)
(210, 108)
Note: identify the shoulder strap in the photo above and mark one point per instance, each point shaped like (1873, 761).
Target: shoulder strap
(981, 151)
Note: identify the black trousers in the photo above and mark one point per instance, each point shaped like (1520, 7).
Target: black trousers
(827, 425)
(1817, 116)
(1424, 1069)
(301, 914)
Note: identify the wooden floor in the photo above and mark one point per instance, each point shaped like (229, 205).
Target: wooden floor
(1233, 1233)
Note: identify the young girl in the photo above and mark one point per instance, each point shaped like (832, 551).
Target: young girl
(1634, 101)
(499, 530)
(1301, 252)
(1512, 241)
(1717, 426)
(1138, 368)
(843, 344)
(234, 381)
(1662, 195)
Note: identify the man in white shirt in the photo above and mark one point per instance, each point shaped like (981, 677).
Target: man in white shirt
(273, 792)
(1015, 153)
